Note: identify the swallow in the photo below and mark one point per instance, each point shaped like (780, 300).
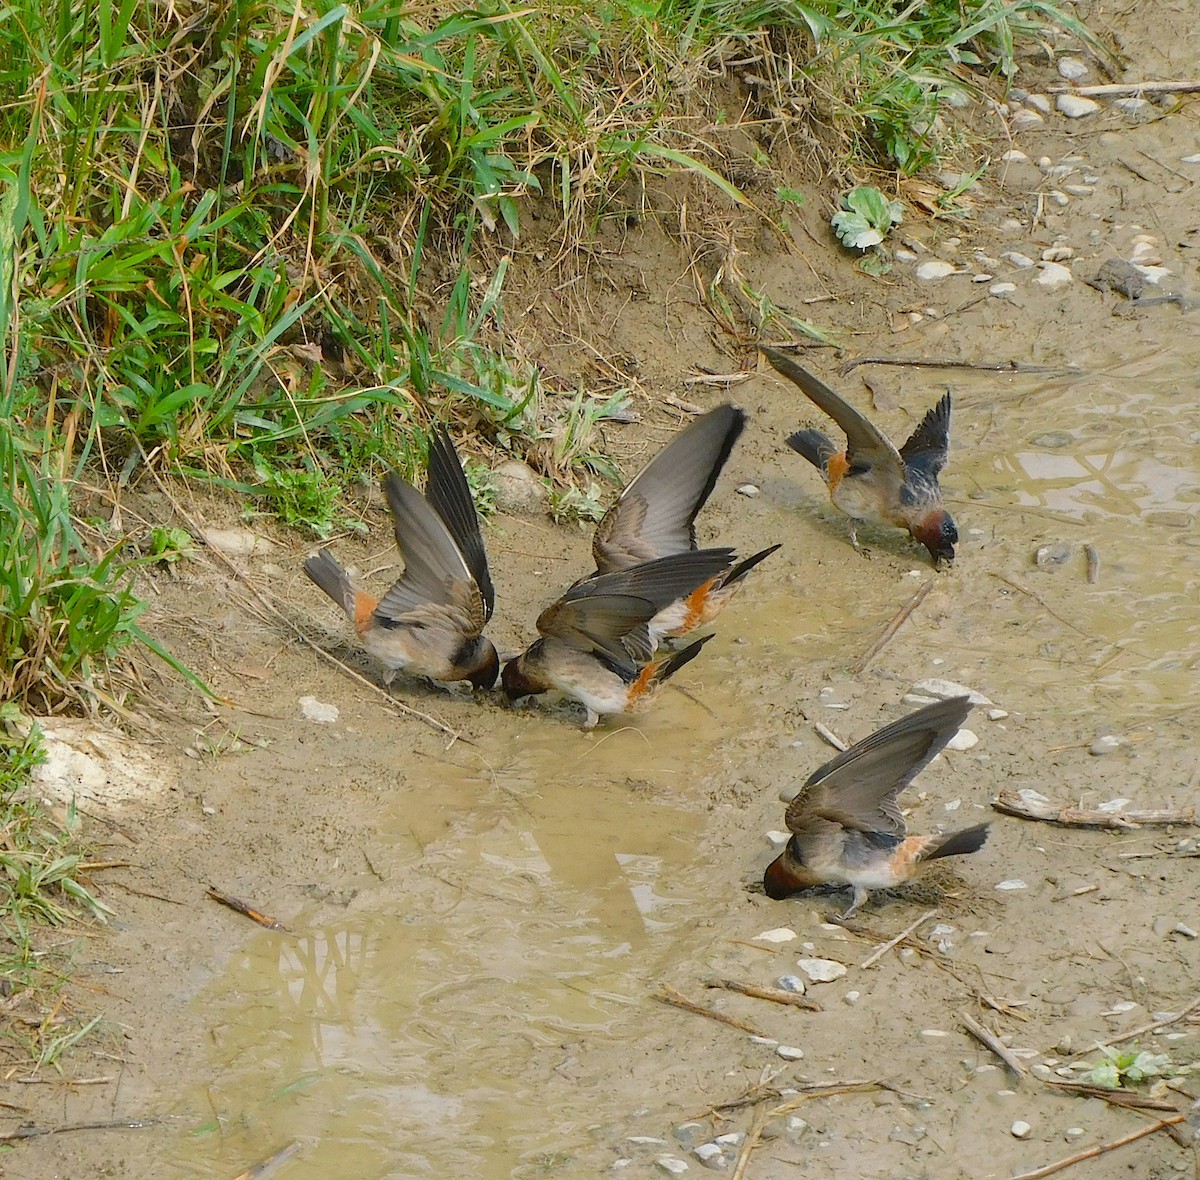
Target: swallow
(655, 516)
(595, 644)
(430, 623)
(845, 821)
(870, 480)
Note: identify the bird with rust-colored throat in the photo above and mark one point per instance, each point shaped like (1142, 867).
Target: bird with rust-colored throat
(845, 821)
(870, 480)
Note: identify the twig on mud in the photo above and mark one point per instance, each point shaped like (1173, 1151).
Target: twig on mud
(1101, 1149)
(679, 404)
(144, 893)
(953, 363)
(668, 995)
(1082, 817)
(749, 1144)
(57, 1081)
(1119, 89)
(1142, 1029)
(724, 380)
(775, 994)
(1130, 1099)
(992, 1042)
(1083, 889)
(114, 1125)
(882, 950)
(245, 908)
(829, 736)
(271, 1164)
(1041, 602)
(897, 622)
(1093, 564)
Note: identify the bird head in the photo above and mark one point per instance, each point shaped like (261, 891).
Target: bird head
(938, 533)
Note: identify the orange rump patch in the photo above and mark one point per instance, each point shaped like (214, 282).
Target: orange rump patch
(697, 605)
(836, 469)
(645, 684)
(364, 608)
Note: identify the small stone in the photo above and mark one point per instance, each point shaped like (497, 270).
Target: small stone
(771, 1042)
(312, 709)
(1012, 883)
(852, 998)
(1074, 106)
(1050, 556)
(821, 970)
(982, 277)
(779, 934)
(1073, 1133)
(1026, 120)
(1195, 159)
(1057, 253)
(1145, 252)
(236, 542)
(1000, 290)
(748, 490)
(1056, 197)
(935, 268)
(903, 255)
(731, 1139)
(1017, 259)
(1072, 68)
(997, 714)
(1186, 931)
(791, 983)
(778, 839)
(1105, 744)
(669, 1163)
(1053, 275)
(916, 698)
(1134, 104)
(796, 1125)
(688, 1135)
(1014, 156)
(934, 1032)
(1079, 190)
(707, 1151)
(943, 690)
(963, 740)
(1039, 102)
(789, 1052)
(518, 489)
(1021, 1129)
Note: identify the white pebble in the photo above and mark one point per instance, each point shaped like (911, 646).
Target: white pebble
(731, 1139)
(1124, 1006)
(1073, 1133)
(669, 1163)
(1186, 931)
(1017, 258)
(934, 1032)
(1190, 159)
(1053, 275)
(778, 839)
(821, 970)
(1057, 253)
(1014, 156)
(763, 1041)
(953, 805)
(1056, 197)
(852, 997)
(1000, 290)
(779, 934)
(1145, 253)
(314, 710)
(982, 277)
(792, 983)
(1074, 106)
(935, 268)
(963, 740)
(945, 689)
(789, 1052)
(1072, 68)
(1153, 274)
(1114, 805)
(1021, 1129)
(916, 698)
(1032, 796)
(905, 256)
(748, 489)
(1079, 190)
(1012, 883)
(706, 1151)
(1025, 120)
(997, 714)
(1132, 105)
(1039, 102)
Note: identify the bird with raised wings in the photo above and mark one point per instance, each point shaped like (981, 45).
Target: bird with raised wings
(870, 480)
(845, 821)
(430, 622)
(655, 516)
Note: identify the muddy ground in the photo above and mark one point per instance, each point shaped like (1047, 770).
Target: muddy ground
(475, 930)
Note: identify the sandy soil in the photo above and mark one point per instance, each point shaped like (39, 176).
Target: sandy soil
(475, 930)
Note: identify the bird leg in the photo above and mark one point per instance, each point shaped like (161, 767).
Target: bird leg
(592, 719)
(860, 895)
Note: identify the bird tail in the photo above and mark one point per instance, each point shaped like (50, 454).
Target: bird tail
(742, 568)
(816, 447)
(657, 671)
(323, 569)
(957, 843)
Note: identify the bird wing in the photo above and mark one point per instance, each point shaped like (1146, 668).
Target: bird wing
(655, 515)
(435, 571)
(662, 581)
(924, 455)
(611, 624)
(866, 444)
(858, 789)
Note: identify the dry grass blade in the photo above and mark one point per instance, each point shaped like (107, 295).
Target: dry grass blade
(668, 995)
(776, 995)
(992, 1042)
(245, 908)
(1081, 817)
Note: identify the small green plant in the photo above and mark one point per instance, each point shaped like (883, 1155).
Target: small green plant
(303, 498)
(866, 217)
(1131, 1066)
(169, 545)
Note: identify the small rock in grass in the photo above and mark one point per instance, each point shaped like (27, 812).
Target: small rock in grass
(821, 970)
(236, 542)
(778, 839)
(935, 268)
(731, 1139)
(982, 277)
(707, 1151)
(1075, 106)
(1059, 198)
(1014, 156)
(1039, 102)
(1073, 1133)
(314, 710)
(1134, 104)
(518, 489)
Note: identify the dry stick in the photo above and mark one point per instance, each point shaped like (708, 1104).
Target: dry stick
(669, 995)
(1127, 88)
(948, 363)
(1142, 1029)
(1101, 1149)
(1082, 817)
(776, 995)
(64, 1081)
(115, 1125)
(272, 1163)
(243, 907)
(751, 1142)
(389, 700)
(831, 737)
(880, 951)
(897, 622)
(986, 1038)
(1129, 1099)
